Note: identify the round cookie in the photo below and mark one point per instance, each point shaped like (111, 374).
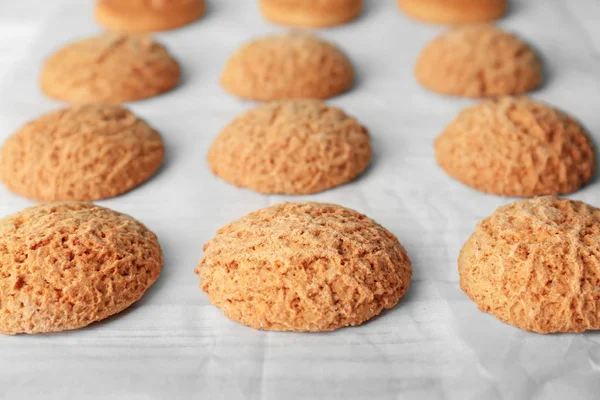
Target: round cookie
(66, 265)
(516, 147)
(535, 264)
(478, 61)
(143, 16)
(288, 66)
(83, 153)
(311, 13)
(454, 12)
(110, 68)
(291, 147)
(304, 267)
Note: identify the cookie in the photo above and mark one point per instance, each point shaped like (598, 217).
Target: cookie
(454, 12)
(110, 68)
(304, 267)
(291, 147)
(143, 16)
(288, 66)
(66, 265)
(516, 147)
(535, 264)
(478, 61)
(311, 13)
(82, 153)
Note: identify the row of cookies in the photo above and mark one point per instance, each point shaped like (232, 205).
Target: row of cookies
(298, 266)
(144, 16)
(473, 61)
(510, 146)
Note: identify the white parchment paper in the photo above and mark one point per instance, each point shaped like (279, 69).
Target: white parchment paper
(434, 345)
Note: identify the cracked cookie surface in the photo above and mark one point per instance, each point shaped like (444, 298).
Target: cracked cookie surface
(535, 264)
(109, 68)
(478, 61)
(287, 66)
(304, 267)
(291, 147)
(82, 153)
(514, 146)
(66, 265)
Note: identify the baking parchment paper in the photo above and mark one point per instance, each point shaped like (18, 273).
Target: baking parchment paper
(434, 345)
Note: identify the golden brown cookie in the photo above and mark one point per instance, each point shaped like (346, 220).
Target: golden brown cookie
(143, 16)
(478, 61)
(311, 13)
(516, 147)
(83, 153)
(110, 68)
(454, 12)
(288, 66)
(535, 264)
(66, 265)
(304, 267)
(291, 147)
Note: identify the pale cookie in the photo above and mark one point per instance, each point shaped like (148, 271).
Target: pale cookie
(516, 147)
(143, 16)
(311, 13)
(535, 264)
(454, 12)
(112, 68)
(291, 147)
(83, 153)
(66, 265)
(304, 267)
(478, 61)
(288, 66)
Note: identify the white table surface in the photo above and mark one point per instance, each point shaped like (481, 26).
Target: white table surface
(434, 345)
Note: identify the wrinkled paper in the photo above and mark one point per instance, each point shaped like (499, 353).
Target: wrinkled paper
(434, 344)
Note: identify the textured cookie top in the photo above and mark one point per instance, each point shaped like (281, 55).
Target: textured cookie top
(292, 147)
(142, 16)
(66, 265)
(478, 61)
(454, 11)
(85, 152)
(289, 66)
(304, 267)
(311, 13)
(516, 147)
(536, 264)
(111, 68)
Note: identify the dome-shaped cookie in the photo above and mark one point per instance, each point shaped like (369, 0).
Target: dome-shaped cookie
(291, 147)
(288, 66)
(142, 16)
(516, 147)
(478, 61)
(535, 264)
(311, 13)
(66, 265)
(83, 153)
(454, 11)
(304, 267)
(110, 68)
